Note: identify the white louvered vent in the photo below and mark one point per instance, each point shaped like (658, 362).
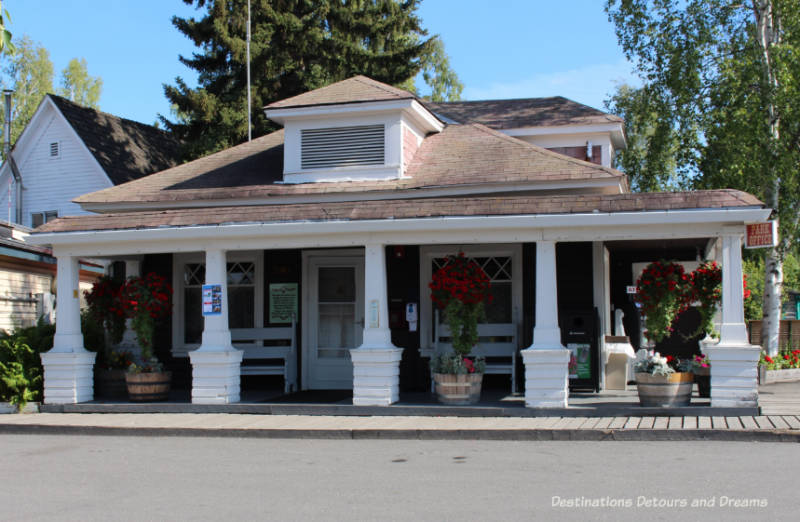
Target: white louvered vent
(54, 149)
(342, 147)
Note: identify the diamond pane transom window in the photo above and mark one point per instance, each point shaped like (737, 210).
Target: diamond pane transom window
(241, 277)
(499, 271)
(194, 274)
(241, 274)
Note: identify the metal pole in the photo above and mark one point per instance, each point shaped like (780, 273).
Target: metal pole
(249, 103)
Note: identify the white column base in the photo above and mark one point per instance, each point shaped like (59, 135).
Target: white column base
(216, 376)
(376, 376)
(546, 377)
(68, 377)
(734, 375)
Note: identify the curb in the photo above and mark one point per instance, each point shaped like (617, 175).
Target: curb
(413, 434)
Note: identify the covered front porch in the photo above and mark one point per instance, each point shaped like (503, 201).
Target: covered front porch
(355, 278)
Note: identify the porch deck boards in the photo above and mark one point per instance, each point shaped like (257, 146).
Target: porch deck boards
(779, 427)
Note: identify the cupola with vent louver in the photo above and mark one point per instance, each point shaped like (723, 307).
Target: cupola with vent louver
(354, 130)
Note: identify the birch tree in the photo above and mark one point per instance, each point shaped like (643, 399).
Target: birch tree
(725, 75)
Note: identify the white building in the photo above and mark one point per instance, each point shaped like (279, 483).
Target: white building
(355, 202)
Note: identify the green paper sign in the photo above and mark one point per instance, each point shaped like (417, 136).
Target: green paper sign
(282, 302)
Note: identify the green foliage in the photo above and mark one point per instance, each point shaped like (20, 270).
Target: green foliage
(20, 373)
(753, 268)
(649, 157)
(455, 364)
(5, 35)
(29, 73)
(93, 334)
(462, 318)
(296, 46)
(78, 86)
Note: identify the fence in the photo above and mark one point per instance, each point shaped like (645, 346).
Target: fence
(789, 333)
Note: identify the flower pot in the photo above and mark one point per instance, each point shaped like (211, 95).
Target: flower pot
(110, 384)
(674, 389)
(702, 376)
(148, 386)
(458, 388)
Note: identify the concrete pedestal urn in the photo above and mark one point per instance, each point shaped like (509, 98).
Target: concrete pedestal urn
(148, 386)
(674, 389)
(458, 389)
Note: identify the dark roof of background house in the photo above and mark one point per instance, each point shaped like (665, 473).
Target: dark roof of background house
(406, 209)
(357, 89)
(125, 149)
(526, 112)
(465, 155)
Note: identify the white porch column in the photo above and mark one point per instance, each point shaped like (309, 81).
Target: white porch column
(129, 342)
(216, 364)
(68, 365)
(546, 361)
(734, 361)
(376, 363)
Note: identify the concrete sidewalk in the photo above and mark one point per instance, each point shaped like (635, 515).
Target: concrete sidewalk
(773, 428)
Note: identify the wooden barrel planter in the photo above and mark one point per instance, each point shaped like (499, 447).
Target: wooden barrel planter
(458, 389)
(148, 387)
(674, 389)
(110, 384)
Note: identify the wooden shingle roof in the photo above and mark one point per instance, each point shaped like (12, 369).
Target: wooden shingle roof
(358, 89)
(460, 155)
(125, 149)
(407, 209)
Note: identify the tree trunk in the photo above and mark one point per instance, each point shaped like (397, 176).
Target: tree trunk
(768, 34)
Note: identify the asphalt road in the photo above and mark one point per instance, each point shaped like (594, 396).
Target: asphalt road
(46, 477)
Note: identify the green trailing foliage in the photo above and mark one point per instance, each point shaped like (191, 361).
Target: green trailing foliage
(20, 372)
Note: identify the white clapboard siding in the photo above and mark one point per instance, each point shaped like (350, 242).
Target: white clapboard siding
(18, 291)
(52, 183)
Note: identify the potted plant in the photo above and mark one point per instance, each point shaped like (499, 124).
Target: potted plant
(146, 301)
(459, 289)
(701, 368)
(106, 308)
(110, 373)
(661, 292)
(781, 368)
(663, 381)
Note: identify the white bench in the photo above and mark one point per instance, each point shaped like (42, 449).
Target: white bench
(498, 341)
(268, 360)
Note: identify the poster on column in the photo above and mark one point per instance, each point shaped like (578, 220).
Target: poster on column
(580, 360)
(212, 300)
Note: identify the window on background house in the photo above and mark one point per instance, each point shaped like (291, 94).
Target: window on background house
(40, 218)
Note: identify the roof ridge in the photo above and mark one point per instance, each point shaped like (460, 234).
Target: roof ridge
(380, 85)
(114, 116)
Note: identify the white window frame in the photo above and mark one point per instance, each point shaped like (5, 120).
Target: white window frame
(179, 261)
(426, 256)
(45, 218)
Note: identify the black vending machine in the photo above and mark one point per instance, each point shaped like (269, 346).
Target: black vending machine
(579, 334)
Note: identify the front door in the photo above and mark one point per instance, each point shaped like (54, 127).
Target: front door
(335, 320)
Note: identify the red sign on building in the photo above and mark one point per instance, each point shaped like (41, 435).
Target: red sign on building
(761, 235)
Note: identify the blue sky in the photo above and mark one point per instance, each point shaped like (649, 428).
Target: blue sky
(499, 48)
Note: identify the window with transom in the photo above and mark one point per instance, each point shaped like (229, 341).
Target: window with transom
(243, 280)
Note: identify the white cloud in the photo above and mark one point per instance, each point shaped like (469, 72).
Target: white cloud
(589, 85)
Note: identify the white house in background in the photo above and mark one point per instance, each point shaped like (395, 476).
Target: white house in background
(342, 216)
(67, 150)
